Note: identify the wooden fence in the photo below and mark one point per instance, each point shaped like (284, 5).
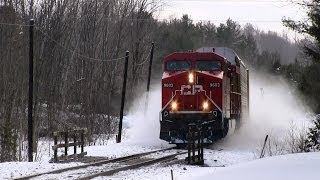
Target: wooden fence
(77, 137)
(195, 146)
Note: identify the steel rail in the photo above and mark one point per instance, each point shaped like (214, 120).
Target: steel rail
(93, 164)
(130, 167)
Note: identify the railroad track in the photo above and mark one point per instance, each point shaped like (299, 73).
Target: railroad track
(109, 167)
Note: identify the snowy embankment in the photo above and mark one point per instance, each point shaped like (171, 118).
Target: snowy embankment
(292, 166)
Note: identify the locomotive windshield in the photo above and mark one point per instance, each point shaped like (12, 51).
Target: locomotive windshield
(178, 65)
(208, 65)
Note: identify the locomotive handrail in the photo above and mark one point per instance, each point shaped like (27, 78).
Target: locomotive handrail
(236, 93)
(174, 95)
(205, 93)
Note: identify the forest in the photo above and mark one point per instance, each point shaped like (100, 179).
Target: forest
(79, 52)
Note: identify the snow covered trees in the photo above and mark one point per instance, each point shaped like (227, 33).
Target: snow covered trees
(73, 84)
(11, 80)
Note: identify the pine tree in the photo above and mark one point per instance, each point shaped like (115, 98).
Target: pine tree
(310, 27)
(313, 137)
(310, 81)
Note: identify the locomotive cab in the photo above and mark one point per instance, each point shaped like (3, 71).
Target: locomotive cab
(194, 91)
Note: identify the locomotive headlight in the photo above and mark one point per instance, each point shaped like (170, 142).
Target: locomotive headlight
(174, 105)
(205, 106)
(191, 78)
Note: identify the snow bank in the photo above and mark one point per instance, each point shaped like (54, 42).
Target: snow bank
(293, 167)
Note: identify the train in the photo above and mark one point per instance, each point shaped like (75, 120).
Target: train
(208, 88)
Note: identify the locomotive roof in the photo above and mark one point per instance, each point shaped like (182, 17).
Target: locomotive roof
(226, 52)
(194, 56)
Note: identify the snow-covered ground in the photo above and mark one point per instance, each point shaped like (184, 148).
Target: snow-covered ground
(228, 165)
(292, 166)
(222, 164)
(274, 111)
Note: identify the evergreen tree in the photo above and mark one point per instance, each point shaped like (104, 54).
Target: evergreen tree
(313, 137)
(229, 34)
(310, 27)
(310, 81)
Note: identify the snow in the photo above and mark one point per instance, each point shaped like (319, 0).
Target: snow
(122, 149)
(213, 159)
(292, 166)
(143, 123)
(10, 170)
(228, 165)
(19, 169)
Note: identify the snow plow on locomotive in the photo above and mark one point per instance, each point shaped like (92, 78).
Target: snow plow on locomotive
(208, 88)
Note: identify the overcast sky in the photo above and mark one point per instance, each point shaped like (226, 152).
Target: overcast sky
(264, 14)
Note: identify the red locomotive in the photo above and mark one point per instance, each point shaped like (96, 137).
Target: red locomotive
(208, 88)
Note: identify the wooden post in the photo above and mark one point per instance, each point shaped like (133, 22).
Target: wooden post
(201, 133)
(171, 174)
(189, 150)
(55, 150)
(82, 142)
(30, 98)
(189, 145)
(264, 145)
(248, 93)
(150, 66)
(149, 77)
(199, 145)
(75, 141)
(66, 143)
(123, 96)
(193, 146)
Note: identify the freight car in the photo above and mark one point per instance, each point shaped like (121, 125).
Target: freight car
(208, 88)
